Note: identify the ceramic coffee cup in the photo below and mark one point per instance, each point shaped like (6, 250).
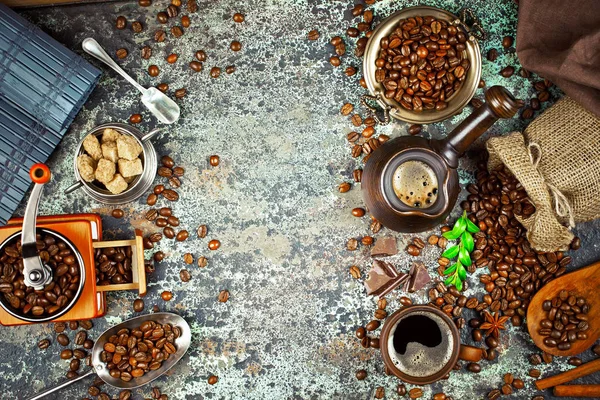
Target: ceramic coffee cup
(420, 345)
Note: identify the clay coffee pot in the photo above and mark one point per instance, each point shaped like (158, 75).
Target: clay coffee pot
(410, 184)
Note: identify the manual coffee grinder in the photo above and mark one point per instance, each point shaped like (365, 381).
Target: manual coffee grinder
(410, 184)
(81, 235)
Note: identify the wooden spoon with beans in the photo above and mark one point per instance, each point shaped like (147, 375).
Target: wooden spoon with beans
(581, 283)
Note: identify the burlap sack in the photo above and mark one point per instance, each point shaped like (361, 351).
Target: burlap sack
(557, 160)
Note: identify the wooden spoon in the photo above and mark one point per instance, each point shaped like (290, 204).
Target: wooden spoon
(584, 282)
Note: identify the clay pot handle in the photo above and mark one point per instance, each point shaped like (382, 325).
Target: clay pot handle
(470, 353)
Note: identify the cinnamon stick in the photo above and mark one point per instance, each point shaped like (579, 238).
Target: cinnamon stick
(577, 391)
(568, 376)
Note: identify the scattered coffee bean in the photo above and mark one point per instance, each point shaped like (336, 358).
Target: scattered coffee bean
(202, 262)
(121, 22)
(214, 160)
(507, 72)
(415, 393)
(361, 332)
(215, 72)
(214, 244)
(239, 18)
(176, 31)
(135, 118)
(361, 374)
(373, 325)
(180, 93)
(474, 367)
(136, 26)
(196, 66)
(507, 41)
(492, 54)
(355, 272)
(117, 213)
(235, 46)
(121, 53)
(166, 295)
(200, 55)
(212, 379)
(379, 392)
(160, 36)
(335, 61)
(43, 344)
(414, 129)
(230, 69)
(185, 21)
(182, 235)
(358, 212)
(153, 71)
(185, 275)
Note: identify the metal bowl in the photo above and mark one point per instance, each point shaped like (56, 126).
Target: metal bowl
(45, 318)
(458, 99)
(139, 185)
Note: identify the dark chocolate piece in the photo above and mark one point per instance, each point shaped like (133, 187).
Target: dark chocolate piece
(385, 246)
(383, 278)
(419, 278)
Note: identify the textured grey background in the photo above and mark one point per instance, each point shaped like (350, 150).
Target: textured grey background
(287, 331)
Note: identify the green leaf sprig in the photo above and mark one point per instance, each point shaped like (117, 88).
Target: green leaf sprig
(457, 273)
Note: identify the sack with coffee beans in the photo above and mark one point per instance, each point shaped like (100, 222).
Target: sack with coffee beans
(557, 161)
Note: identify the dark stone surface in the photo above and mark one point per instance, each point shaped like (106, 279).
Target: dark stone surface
(288, 329)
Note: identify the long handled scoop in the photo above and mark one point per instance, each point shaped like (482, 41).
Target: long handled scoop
(159, 104)
(182, 343)
(585, 283)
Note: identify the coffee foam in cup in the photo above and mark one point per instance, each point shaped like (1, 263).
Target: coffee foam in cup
(415, 184)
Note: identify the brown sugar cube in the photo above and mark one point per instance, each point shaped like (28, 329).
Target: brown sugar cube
(109, 151)
(128, 147)
(105, 171)
(110, 135)
(117, 184)
(86, 167)
(128, 168)
(91, 145)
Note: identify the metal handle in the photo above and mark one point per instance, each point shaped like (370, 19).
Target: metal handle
(35, 273)
(61, 385)
(150, 135)
(93, 48)
(73, 187)
(469, 21)
(372, 111)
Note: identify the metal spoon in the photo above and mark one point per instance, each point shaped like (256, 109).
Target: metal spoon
(182, 343)
(159, 104)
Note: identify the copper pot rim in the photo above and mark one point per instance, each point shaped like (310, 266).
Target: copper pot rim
(392, 320)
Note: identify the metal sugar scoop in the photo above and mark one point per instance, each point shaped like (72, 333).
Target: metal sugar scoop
(182, 343)
(159, 104)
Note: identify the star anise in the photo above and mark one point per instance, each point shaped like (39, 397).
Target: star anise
(493, 324)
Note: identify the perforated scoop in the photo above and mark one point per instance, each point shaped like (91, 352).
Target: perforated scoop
(182, 343)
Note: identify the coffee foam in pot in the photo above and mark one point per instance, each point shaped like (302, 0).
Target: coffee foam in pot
(415, 184)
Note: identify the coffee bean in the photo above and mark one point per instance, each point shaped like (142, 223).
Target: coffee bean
(202, 262)
(153, 71)
(507, 41)
(358, 212)
(136, 26)
(177, 31)
(170, 195)
(235, 46)
(492, 54)
(162, 17)
(172, 11)
(214, 244)
(575, 361)
(66, 354)
(121, 53)
(401, 389)
(125, 395)
(180, 93)
(135, 118)
(160, 36)
(230, 69)
(178, 171)
(415, 393)
(361, 332)
(121, 22)
(507, 72)
(494, 394)
(596, 349)
(163, 87)
(169, 232)
(414, 129)
(80, 338)
(138, 305)
(379, 392)
(335, 61)
(543, 96)
(200, 55)
(185, 275)
(238, 17)
(144, 3)
(214, 160)
(185, 21)
(492, 342)
(361, 374)
(196, 66)
(413, 250)
(527, 113)
(166, 295)
(215, 72)
(534, 373)
(373, 325)
(182, 235)
(212, 380)
(355, 272)
(474, 367)
(44, 344)
(518, 384)
(117, 213)
(380, 314)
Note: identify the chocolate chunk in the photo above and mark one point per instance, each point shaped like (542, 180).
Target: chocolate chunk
(385, 246)
(418, 278)
(383, 278)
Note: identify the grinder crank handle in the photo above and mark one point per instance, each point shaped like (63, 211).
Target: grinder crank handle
(35, 273)
(61, 385)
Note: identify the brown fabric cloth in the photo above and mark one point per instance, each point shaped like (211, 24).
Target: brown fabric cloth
(557, 161)
(560, 41)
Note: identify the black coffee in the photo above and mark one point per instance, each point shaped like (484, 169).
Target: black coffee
(420, 344)
(415, 184)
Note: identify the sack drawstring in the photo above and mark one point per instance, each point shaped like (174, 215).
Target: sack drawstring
(562, 207)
